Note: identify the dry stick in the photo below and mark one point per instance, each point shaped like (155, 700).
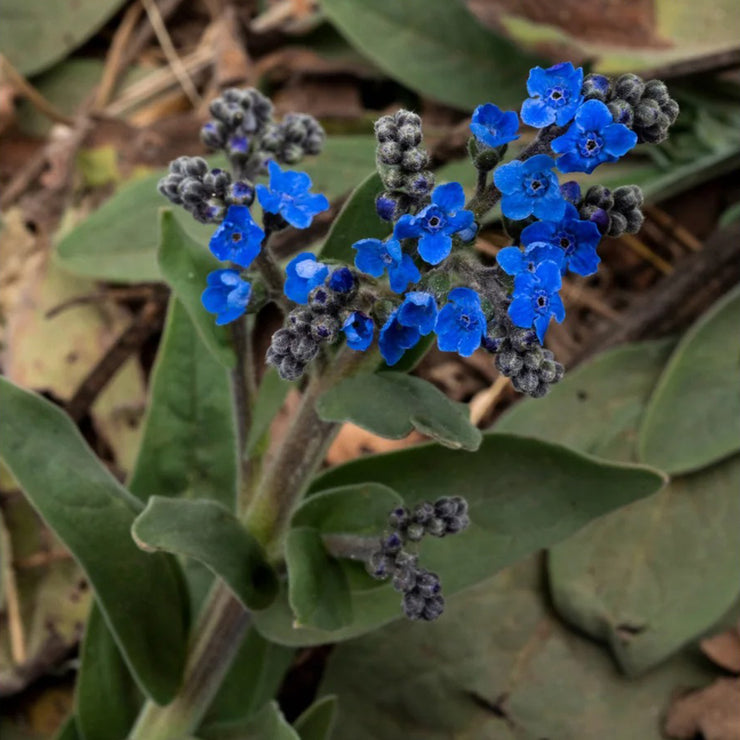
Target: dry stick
(114, 61)
(12, 600)
(671, 227)
(148, 320)
(160, 30)
(697, 281)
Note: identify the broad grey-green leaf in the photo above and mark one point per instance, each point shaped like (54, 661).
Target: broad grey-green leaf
(693, 418)
(118, 241)
(185, 265)
(188, 446)
(252, 681)
(650, 576)
(141, 597)
(317, 587)
(35, 35)
(500, 665)
(208, 532)
(360, 509)
(524, 495)
(317, 722)
(597, 407)
(106, 698)
(268, 723)
(357, 220)
(393, 404)
(435, 48)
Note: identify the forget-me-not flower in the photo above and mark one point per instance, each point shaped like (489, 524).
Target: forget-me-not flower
(513, 260)
(419, 310)
(592, 138)
(395, 339)
(536, 299)
(530, 187)
(556, 95)
(493, 127)
(304, 273)
(461, 323)
(288, 195)
(227, 295)
(238, 238)
(358, 328)
(435, 224)
(374, 257)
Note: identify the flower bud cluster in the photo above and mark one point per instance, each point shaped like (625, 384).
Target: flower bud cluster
(645, 107)
(243, 127)
(205, 193)
(615, 212)
(522, 358)
(308, 327)
(403, 164)
(421, 589)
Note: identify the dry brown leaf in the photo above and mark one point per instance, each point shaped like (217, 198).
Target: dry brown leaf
(713, 712)
(324, 99)
(724, 649)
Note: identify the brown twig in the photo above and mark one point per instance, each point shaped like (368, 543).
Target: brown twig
(12, 599)
(144, 324)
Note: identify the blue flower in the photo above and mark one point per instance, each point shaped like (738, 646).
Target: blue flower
(395, 339)
(418, 310)
(576, 238)
(592, 138)
(536, 299)
(374, 257)
(342, 280)
(556, 95)
(493, 127)
(513, 260)
(571, 191)
(227, 295)
(359, 328)
(435, 224)
(288, 195)
(461, 324)
(530, 187)
(304, 273)
(238, 238)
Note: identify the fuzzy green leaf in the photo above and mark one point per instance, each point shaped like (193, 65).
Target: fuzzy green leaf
(142, 597)
(393, 404)
(206, 531)
(317, 722)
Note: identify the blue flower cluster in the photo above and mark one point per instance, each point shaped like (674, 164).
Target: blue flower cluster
(238, 239)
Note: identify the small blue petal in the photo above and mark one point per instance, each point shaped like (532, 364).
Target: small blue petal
(238, 238)
(288, 195)
(418, 310)
(227, 295)
(359, 330)
(304, 273)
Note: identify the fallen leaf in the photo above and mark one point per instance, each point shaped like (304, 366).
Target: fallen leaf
(353, 442)
(724, 649)
(711, 712)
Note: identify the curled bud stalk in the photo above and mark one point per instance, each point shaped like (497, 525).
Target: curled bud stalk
(421, 589)
(615, 212)
(403, 164)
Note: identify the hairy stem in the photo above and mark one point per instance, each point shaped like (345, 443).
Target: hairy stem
(220, 629)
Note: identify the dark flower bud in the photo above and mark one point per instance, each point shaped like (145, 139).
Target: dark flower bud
(407, 118)
(461, 505)
(436, 527)
(598, 215)
(423, 512)
(414, 160)
(457, 523)
(523, 339)
(305, 349)
(550, 371)
(647, 113)
(240, 194)
(596, 87)
(445, 507)
(342, 280)
(656, 90)
(291, 368)
(526, 382)
(404, 579)
(415, 532)
(427, 584)
(418, 185)
(433, 608)
(571, 191)
(629, 87)
(391, 544)
(409, 136)
(281, 341)
(486, 159)
(532, 360)
(399, 518)
(635, 219)
(213, 135)
(413, 605)
(389, 153)
(627, 197)
(325, 328)
(509, 363)
(617, 224)
(385, 129)
(393, 179)
(380, 566)
(622, 112)
(599, 195)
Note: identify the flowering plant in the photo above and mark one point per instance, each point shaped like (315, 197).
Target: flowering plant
(398, 271)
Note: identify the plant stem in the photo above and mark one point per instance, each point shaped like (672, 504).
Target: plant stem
(222, 624)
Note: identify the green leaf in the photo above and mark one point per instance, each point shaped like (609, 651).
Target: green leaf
(318, 589)
(360, 509)
(357, 220)
(206, 531)
(106, 699)
(37, 35)
(605, 397)
(498, 664)
(693, 418)
(436, 48)
(189, 444)
(68, 731)
(267, 723)
(118, 241)
(317, 722)
(393, 404)
(648, 577)
(185, 265)
(141, 597)
(270, 398)
(253, 680)
(652, 576)
(524, 495)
